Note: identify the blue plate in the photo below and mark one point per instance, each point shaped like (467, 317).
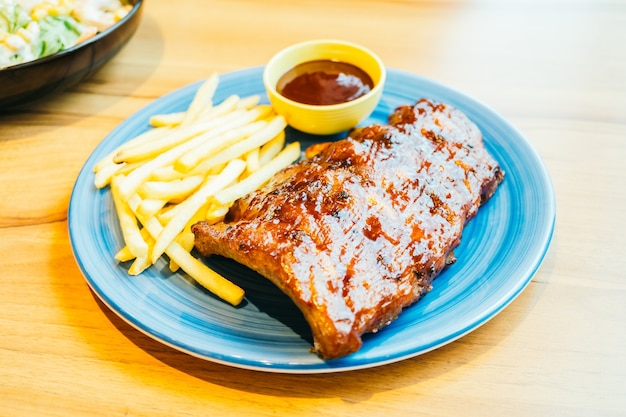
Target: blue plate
(501, 249)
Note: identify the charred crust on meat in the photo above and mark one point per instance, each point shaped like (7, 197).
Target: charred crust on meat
(341, 164)
(337, 213)
(342, 195)
(297, 235)
(432, 136)
(450, 258)
(432, 271)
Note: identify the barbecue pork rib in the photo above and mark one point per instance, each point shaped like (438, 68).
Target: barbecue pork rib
(359, 229)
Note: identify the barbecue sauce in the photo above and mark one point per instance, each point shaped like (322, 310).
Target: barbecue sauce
(324, 82)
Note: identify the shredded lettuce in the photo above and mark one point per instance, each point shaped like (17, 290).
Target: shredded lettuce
(57, 33)
(12, 17)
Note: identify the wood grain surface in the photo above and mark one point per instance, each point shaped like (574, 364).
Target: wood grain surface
(555, 69)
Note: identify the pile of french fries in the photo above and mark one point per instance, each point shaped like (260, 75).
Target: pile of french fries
(187, 167)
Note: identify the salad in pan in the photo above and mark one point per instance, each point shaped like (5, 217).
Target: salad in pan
(31, 29)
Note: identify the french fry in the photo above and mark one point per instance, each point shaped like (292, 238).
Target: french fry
(141, 263)
(189, 160)
(202, 274)
(137, 177)
(166, 173)
(231, 103)
(149, 207)
(177, 136)
(163, 138)
(138, 151)
(216, 213)
(186, 238)
(248, 102)
(252, 160)
(273, 128)
(228, 105)
(125, 168)
(201, 100)
(189, 207)
(109, 168)
(145, 137)
(171, 190)
(168, 213)
(271, 148)
(189, 167)
(105, 173)
(210, 112)
(205, 276)
(124, 255)
(128, 223)
(290, 154)
(167, 120)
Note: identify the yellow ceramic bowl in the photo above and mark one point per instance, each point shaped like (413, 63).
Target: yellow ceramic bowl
(324, 119)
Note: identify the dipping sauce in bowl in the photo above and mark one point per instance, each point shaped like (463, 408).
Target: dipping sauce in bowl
(326, 86)
(323, 82)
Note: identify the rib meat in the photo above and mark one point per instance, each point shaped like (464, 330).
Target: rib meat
(359, 229)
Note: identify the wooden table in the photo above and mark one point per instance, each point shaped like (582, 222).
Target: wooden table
(557, 70)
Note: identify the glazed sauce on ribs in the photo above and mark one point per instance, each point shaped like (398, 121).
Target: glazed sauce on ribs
(324, 82)
(358, 230)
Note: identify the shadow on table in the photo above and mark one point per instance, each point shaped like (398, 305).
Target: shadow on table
(351, 386)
